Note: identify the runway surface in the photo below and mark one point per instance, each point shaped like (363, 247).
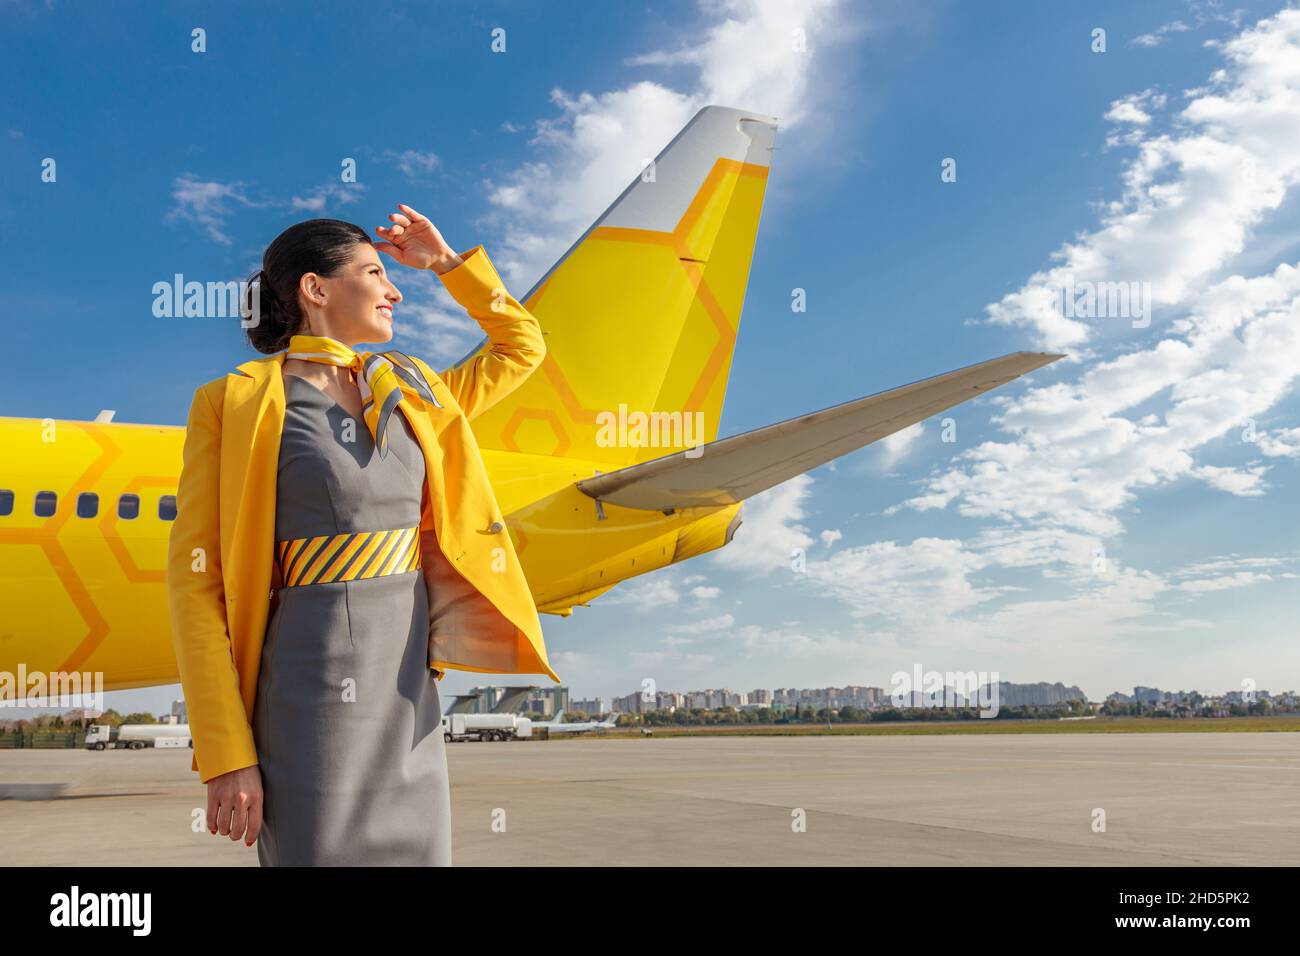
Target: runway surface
(1169, 799)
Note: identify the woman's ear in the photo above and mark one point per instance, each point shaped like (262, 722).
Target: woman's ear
(312, 288)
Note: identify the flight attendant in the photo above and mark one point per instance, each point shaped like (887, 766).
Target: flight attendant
(310, 672)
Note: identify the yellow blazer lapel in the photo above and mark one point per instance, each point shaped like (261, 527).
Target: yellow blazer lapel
(426, 420)
(252, 420)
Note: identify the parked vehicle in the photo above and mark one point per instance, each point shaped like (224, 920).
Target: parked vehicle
(485, 727)
(137, 736)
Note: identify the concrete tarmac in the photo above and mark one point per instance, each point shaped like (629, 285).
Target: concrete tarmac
(1020, 800)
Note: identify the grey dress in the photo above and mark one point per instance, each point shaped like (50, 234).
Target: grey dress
(347, 719)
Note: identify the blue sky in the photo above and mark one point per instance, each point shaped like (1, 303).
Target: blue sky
(1167, 158)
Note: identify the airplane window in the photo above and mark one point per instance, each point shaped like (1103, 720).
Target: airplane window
(128, 506)
(167, 507)
(46, 501)
(6, 502)
(87, 504)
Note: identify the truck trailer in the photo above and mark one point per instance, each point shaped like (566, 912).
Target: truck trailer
(457, 727)
(137, 736)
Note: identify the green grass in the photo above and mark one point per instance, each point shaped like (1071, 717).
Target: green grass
(1101, 725)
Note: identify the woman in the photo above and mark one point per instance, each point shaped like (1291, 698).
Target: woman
(329, 559)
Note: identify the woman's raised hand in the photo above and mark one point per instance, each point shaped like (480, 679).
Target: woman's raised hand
(414, 241)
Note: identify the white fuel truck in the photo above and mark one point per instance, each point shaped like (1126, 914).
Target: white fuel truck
(137, 736)
(485, 727)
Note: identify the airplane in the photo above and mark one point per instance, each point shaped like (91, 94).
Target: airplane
(461, 704)
(468, 703)
(593, 460)
(511, 698)
(554, 725)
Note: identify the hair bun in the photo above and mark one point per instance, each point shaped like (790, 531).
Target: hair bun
(267, 311)
(265, 288)
(262, 294)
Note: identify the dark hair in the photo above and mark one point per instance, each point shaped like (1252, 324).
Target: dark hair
(322, 246)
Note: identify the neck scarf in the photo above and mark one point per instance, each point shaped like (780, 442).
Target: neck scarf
(378, 378)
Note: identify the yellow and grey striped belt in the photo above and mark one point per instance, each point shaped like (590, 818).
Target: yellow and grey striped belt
(348, 557)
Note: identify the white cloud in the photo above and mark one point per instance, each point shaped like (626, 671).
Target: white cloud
(894, 449)
(1240, 579)
(919, 585)
(1084, 450)
(1191, 195)
(770, 531)
(329, 194)
(787, 643)
(1078, 460)
(208, 203)
(707, 626)
(1156, 37)
(680, 661)
(1229, 563)
(1209, 11)
(413, 162)
(755, 53)
(1246, 482)
(1132, 108)
(647, 593)
(938, 590)
(742, 55)
(1285, 441)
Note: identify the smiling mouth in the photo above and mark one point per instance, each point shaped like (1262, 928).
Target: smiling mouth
(385, 311)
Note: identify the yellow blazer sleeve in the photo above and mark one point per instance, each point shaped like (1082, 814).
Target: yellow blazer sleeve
(223, 739)
(517, 345)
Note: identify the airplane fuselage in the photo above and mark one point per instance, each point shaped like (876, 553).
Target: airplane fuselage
(86, 509)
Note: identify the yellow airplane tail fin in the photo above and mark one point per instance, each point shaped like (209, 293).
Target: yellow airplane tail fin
(641, 314)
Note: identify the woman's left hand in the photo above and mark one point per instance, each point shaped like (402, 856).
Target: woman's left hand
(414, 241)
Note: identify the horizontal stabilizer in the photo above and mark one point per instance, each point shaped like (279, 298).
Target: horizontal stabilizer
(511, 699)
(729, 470)
(461, 704)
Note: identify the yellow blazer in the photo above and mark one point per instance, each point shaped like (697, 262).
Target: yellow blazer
(222, 578)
